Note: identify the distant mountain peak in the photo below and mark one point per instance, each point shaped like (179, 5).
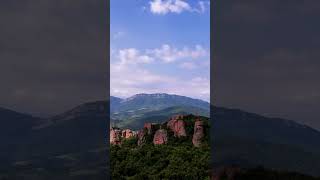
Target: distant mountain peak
(157, 96)
(145, 95)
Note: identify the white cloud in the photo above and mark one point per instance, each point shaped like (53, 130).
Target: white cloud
(201, 86)
(170, 54)
(197, 87)
(163, 7)
(203, 6)
(133, 56)
(165, 53)
(130, 76)
(166, 6)
(127, 80)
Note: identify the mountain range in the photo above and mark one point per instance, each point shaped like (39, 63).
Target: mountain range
(74, 143)
(239, 137)
(67, 146)
(134, 111)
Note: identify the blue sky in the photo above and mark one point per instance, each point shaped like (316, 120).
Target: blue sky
(160, 46)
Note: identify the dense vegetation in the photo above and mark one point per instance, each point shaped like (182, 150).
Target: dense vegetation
(178, 159)
(159, 162)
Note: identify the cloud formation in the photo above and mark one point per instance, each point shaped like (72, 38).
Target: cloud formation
(133, 56)
(163, 7)
(167, 53)
(129, 75)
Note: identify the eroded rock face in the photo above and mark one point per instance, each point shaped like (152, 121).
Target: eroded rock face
(179, 116)
(128, 133)
(177, 125)
(141, 137)
(115, 136)
(198, 133)
(142, 134)
(160, 137)
(157, 134)
(150, 127)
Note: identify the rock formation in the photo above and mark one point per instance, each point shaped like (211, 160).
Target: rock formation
(150, 127)
(177, 125)
(115, 136)
(160, 137)
(142, 136)
(198, 133)
(128, 133)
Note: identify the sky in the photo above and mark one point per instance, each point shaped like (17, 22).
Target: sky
(160, 46)
(267, 58)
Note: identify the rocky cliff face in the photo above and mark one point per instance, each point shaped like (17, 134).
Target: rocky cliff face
(141, 137)
(115, 136)
(159, 133)
(177, 125)
(160, 137)
(128, 133)
(151, 127)
(198, 133)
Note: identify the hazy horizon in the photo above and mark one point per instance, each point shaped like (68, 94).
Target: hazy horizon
(125, 97)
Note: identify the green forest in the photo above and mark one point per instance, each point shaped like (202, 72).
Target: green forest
(159, 161)
(178, 159)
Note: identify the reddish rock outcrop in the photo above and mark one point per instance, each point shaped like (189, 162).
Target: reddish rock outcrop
(179, 116)
(141, 137)
(152, 131)
(177, 125)
(115, 136)
(127, 133)
(160, 137)
(150, 127)
(198, 133)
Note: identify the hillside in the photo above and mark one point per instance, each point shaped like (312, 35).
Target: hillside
(15, 123)
(239, 137)
(14, 127)
(132, 112)
(250, 126)
(136, 118)
(154, 102)
(248, 139)
(68, 146)
(164, 151)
